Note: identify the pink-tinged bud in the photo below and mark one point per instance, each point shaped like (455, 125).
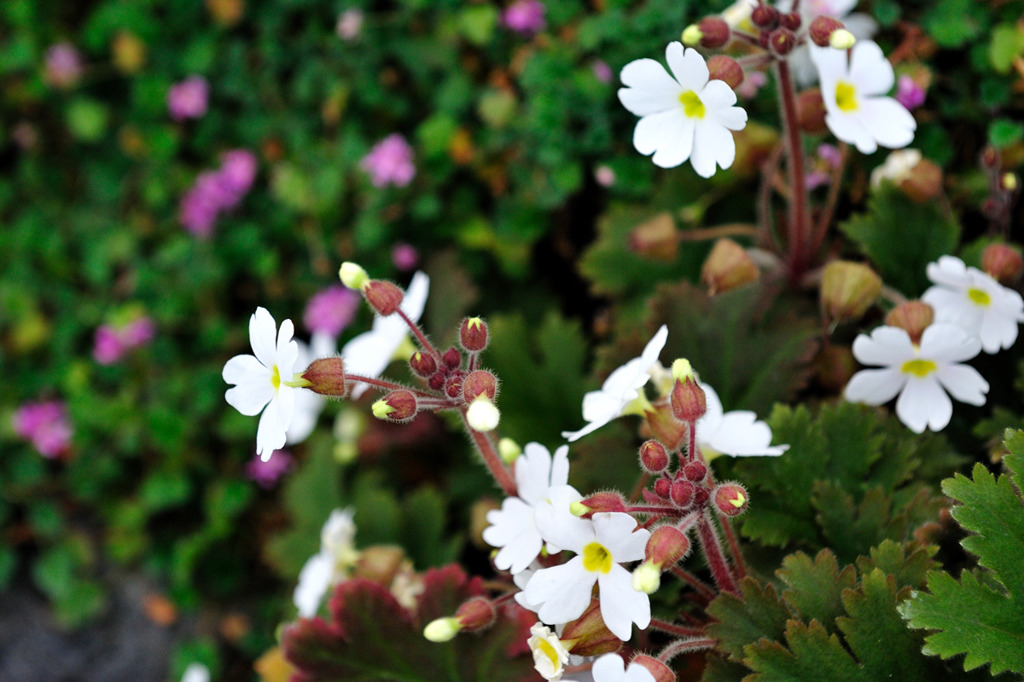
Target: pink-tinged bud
(659, 671)
(848, 289)
(663, 488)
(731, 499)
(810, 112)
(666, 546)
(476, 613)
(791, 21)
(782, 41)
(608, 501)
(913, 317)
(923, 182)
(662, 424)
(701, 496)
(714, 31)
(588, 635)
(822, 28)
(1002, 262)
(656, 239)
(453, 384)
(422, 364)
(765, 17)
(727, 267)
(695, 471)
(384, 297)
(397, 406)
(682, 492)
(688, 401)
(436, 380)
(653, 457)
(473, 334)
(452, 358)
(326, 376)
(477, 383)
(726, 69)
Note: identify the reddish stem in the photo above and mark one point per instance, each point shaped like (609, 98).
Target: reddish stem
(717, 562)
(677, 630)
(683, 646)
(798, 229)
(734, 548)
(694, 582)
(420, 336)
(500, 472)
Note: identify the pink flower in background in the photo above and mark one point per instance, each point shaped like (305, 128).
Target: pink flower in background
(64, 65)
(525, 17)
(188, 99)
(238, 171)
(217, 191)
(821, 166)
(331, 310)
(350, 24)
(267, 473)
(405, 256)
(46, 426)
(604, 176)
(909, 93)
(752, 82)
(390, 162)
(112, 343)
(602, 71)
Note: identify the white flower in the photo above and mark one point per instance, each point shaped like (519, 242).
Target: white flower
(328, 566)
(261, 380)
(483, 415)
(369, 353)
(857, 108)
(620, 388)
(513, 528)
(896, 168)
(683, 115)
(738, 433)
(549, 654)
(861, 25)
(562, 593)
(309, 405)
(196, 672)
(611, 668)
(921, 375)
(973, 300)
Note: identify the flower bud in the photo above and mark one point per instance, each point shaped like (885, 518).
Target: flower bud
(822, 28)
(476, 613)
(588, 635)
(666, 546)
(452, 358)
(653, 457)
(659, 671)
(479, 383)
(923, 183)
(397, 406)
(326, 376)
(656, 239)
(1002, 262)
(695, 471)
(509, 450)
(727, 267)
(782, 41)
(682, 492)
(731, 499)
(701, 495)
(791, 21)
(482, 414)
(453, 384)
(726, 69)
(765, 17)
(848, 289)
(714, 32)
(384, 297)
(913, 317)
(646, 578)
(353, 276)
(990, 157)
(662, 487)
(692, 35)
(422, 364)
(810, 112)
(688, 401)
(442, 629)
(436, 380)
(473, 334)
(842, 39)
(608, 501)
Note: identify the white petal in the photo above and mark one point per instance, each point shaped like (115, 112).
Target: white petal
(849, 128)
(314, 580)
(557, 525)
(621, 605)
(262, 330)
(664, 130)
(733, 118)
(688, 66)
(922, 404)
(712, 144)
(875, 386)
(964, 383)
(271, 434)
(603, 406)
(533, 473)
(513, 530)
(742, 434)
(870, 71)
(676, 141)
(287, 351)
(367, 354)
(609, 668)
(717, 95)
(415, 299)
(653, 349)
(949, 270)
(560, 466)
(562, 591)
(242, 368)
(887, 346)
(650, 88)
(997, 331)
(945, 342)
(252, 393)
(889, 121)
(619, 534)
(831, 65)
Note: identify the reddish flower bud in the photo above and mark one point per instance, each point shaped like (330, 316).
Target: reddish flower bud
(765, 17)
(326, 376)
(791, 21)
(452, 358)
(913, 317)
(473, 334)
(782, 41)
(727, 267)
(695, 471)
(479, 382)
(1002, 262)
(662, 488)
(436, 380)
(653, 457)
(666, 546)
(810, 112)
(397, 406)
(659, 671)
(822, 28)
(701, 496)
(682, 492)
(476, 613)
(608, 501)
(453, 384)
(923, 182)
(688, 401)
(714, 32)
(422, 364)
(731, 499)
(588, 635)
(726, 69)
(384, 297)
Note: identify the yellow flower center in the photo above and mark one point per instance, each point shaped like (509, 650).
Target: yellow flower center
(919, 368)
(692, 106)
(549, 651)
(738, 500)
(846, 96)
(275, 378)
(979, 297)
(597, 558)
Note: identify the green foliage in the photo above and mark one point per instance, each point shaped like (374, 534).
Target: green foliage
(902, 236)
(981, 615)
(952, 23)
(1007, 44)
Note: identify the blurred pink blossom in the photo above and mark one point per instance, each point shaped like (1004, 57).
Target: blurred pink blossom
(602, 71)
(189, 98)
(331, 310)
(752, 82)
(64, 65)
(390, 162)
(238, 171)
(112, 343)
(404, 256)
(525, 17)
(267, 473)
(604, 175)
(909, 93)
(217, 191)
(350, 24)
(821, 166)
(46, 426)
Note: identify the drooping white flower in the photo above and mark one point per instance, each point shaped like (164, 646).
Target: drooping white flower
(611, 668)
(513, 528)
(196, 672)
(369, 353)
(549, 654)
(330, 565)
(683, 115)
(562, 593)
(738, 433)
(920, 375)
(968, 297)
(858, 111)
(620, 388)
(261, 380)
(309, 405)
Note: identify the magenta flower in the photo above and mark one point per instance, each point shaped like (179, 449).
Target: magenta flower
(404, 256)
(64, 65)
(112, 343)
(238, 171)
(350, 24)
(525, 17)
(217, 191)
(331, 310)
(604, 176)
(390, 162)
(46, 426)
(602, 71)
(821, 166)
(267, 473)
(909, 93)
(189, 98)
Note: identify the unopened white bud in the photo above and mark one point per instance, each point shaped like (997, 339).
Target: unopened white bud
(509, 450)
(442, 629)
(482, 414)
(682, 369)
(353, 276)
(841, 39)
(647, 578)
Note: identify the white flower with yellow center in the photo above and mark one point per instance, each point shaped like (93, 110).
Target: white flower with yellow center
(262, 380)
(549, 654)
(920, 375)
(513, 528)
(738, 433)
(973, 300)
(330, 565)
(683, 115)
(611, 668)
(858, 111)
(561, 593)
(620, 389)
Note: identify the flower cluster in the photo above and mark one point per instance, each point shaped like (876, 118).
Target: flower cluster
(188, 99)
(216, 192)
(390, 162)
(46, 426)
(112, 342)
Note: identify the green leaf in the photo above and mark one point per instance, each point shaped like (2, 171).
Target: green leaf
(1006, 45)
(815, 586)
(759, 613)
(1003, 132)
(952, 23)
(422, 530)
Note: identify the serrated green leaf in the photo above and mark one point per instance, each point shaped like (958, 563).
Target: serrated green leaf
(815, 587)
(758, 612)
(809, 652)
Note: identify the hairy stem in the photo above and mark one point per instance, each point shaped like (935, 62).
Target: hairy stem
(500, 472)
(677, 630)
(683, 646)
(798, 229)
(717, 562)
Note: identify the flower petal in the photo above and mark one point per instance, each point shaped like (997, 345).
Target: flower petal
(560, 466)
(875, 386)
(619, 534)
(650, 88)
(557, 525)
(712, 144)
(943, 342)
(887, 346)
(562, 591)
(688, 66)
(262, 330)
(314, 581)
(922, 404)
(889, 122)
(964, 383)
(621, 604)
(870, 71)
(742, 434)
(270, 434)
(533, 473)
